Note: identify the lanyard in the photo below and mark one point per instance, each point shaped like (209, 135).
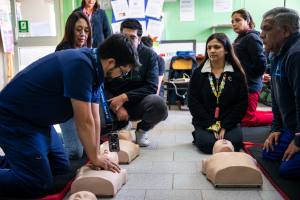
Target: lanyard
(89, 15)
(105, 107)
(104, 104)
(217, 93)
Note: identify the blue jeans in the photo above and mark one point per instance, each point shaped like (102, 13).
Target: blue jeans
(32, 155)
(288, 169)
(71, 140)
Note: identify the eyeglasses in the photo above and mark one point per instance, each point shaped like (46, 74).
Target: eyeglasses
(123, 73)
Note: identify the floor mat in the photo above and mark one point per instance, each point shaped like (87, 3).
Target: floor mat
(256, 135)
(61, 183)
(288, 188)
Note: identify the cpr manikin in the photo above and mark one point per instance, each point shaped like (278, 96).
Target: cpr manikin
(83, 195)
(226, 168)
(125, 135)
(100, 183)
(128, 151)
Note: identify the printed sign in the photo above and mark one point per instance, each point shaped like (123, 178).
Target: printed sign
(23, 26)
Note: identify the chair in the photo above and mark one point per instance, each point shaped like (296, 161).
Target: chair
(181, 68)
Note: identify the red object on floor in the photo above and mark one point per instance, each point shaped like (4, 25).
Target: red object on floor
(249, 144)
(255, 117)
(61, 195)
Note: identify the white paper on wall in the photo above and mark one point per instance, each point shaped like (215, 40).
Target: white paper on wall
(120, 9)
(187, 10)
(137, 8)
(154, 8)
(154, 29)
(222, 6)
(116, 27)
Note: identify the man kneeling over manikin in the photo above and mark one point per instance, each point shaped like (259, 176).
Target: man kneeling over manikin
(226, 168)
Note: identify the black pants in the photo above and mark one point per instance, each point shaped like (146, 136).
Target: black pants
(205, 139)
(152, 109)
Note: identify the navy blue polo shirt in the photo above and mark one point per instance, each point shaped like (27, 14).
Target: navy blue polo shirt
(40, 94)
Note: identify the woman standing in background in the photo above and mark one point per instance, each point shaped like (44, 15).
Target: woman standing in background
(98, 19)
(78, 34)
(248, 48)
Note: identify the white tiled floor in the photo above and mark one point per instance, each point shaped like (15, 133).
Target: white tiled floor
(170, 168)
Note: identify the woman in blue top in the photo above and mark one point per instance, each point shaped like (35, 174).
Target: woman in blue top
(98, 19)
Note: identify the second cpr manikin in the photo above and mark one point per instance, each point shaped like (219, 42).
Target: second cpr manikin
(226, 168)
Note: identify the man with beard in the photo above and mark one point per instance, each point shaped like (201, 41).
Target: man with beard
(133, 97)
(50, 91)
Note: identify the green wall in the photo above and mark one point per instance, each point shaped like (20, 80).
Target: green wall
(205, 18)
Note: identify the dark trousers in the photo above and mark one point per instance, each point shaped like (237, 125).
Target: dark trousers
(205, 139)
(32, 155)
(288, 169)
(152, 109)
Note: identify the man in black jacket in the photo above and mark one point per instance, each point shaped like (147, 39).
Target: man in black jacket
(133, 97)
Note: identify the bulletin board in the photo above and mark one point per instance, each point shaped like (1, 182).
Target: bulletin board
(139, 19)
(144, 22)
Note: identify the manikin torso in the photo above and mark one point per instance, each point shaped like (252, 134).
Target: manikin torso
(226, 168)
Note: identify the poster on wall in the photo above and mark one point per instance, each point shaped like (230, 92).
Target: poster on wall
(120, 9)
(187, 10)
(154, 8)
(154, 29)
(222, 6)
(105, 4)
(6, 29)
(137, 8)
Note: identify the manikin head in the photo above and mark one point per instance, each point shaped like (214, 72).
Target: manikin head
(118, 56)
(133, 29)
(277, 25)
(83, 195)
(241, 20)
(223, 146)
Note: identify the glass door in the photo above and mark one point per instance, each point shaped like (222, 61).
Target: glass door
(36, 29)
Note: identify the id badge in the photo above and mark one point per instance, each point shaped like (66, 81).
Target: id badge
(113, 141)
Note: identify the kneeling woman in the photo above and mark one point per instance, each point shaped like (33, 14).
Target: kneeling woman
(218, 96)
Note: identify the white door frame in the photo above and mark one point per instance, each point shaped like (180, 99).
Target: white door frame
(33, 41)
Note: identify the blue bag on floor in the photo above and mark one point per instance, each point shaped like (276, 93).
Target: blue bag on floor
(183, 53)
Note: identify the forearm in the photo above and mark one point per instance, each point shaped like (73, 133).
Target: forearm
(160, 78)
(87, 136)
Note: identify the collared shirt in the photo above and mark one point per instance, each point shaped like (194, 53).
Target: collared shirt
(207, 67)
(40, 94)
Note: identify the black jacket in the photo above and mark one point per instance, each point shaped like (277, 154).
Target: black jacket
(285, 90)
(63, 46)
(137, 84)
(100, 26)
(233, 103)
(248, 48)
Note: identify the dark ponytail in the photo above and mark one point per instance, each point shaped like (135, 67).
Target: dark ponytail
(245, 15)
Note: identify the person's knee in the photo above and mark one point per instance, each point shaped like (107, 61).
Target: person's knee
(204, 146)
(237, 144)
(157, 106)
(285, 172)
(74, 153)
